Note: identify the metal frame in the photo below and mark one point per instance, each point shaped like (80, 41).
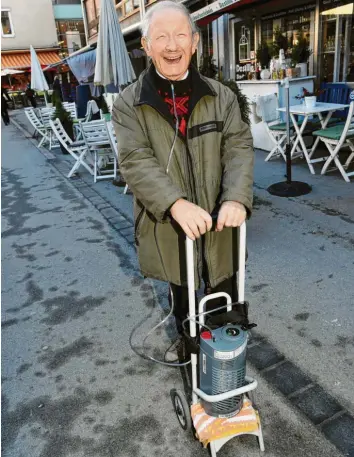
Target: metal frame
(251, 383)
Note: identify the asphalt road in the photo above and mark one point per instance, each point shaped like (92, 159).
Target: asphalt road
(72, 294)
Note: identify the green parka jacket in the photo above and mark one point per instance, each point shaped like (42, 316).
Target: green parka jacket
(213, 164)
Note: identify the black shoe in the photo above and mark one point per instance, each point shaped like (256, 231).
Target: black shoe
(175, 353)
(119, 183)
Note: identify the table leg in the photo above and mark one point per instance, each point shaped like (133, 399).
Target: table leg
(324, 123)
(299, 139)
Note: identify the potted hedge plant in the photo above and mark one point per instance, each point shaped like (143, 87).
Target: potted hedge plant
(300, 54)
(104, 108)
(241, 98)
(49, 99)
(279, 42)
(263, 55)
(65, 119)
(207, 67)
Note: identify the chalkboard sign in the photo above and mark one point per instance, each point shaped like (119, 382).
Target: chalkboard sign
(242, 71)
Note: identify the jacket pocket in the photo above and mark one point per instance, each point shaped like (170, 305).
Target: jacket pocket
(137, 225)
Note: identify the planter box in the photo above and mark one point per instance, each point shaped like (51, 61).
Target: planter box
(303, 69)
(293, 72)
(310, 102)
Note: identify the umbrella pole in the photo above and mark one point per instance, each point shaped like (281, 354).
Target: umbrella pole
(288, 141)
(288, 188)
(45, 98)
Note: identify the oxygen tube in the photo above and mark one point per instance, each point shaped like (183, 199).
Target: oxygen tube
(144, 354)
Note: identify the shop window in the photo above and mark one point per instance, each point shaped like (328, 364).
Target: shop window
(126, 7)
(243, 49)
(71, 36)
(92, 18)
(267, 32)
(337, 41)
(7, 29)
(293, 27)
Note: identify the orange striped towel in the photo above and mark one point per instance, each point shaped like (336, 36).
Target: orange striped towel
(209, 428)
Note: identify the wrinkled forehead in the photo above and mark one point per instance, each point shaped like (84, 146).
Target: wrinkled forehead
(169, 20)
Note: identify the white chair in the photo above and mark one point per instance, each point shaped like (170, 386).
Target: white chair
(99, 143)
(71, 108)
(87, 118)
(267, 109)
(40, 128)
(112, 134)
(46, 115)
(335, 138)
(78, 150)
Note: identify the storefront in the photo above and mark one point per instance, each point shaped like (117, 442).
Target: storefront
(336, 43)
(326, 26)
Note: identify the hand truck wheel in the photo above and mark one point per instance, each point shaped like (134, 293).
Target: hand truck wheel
(182, 409)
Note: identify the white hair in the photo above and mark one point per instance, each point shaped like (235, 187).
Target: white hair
(163, 6)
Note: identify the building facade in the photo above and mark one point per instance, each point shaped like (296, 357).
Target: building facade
(22, 27)
(70, 27)
(232, 30)
(55, 28)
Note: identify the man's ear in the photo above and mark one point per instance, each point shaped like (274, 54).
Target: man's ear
(195, 41)
(145, 44)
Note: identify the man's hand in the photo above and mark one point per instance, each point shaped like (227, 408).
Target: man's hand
(231, 214)
(193, 219)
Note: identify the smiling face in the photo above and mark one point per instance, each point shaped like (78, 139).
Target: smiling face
(170, 43)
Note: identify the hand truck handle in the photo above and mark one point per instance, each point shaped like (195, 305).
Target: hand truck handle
(191, 277)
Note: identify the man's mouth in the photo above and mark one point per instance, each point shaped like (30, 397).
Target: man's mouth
(172, 60)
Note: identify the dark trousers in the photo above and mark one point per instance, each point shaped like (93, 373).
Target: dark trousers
(181, 304)
(5, 114)
(32, 101)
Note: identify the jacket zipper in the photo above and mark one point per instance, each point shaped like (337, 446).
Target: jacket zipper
(194, 197)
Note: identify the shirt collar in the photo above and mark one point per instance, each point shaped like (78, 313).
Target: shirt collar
(163, 77)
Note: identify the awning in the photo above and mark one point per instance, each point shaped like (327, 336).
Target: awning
(83, 50)
(216, 9)
(22, 59)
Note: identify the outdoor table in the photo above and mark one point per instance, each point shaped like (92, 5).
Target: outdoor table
(318, 110)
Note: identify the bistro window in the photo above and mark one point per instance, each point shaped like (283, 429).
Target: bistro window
(91, 7)
(337, 41)
(71, 35)
(293, 26)
(6, 24)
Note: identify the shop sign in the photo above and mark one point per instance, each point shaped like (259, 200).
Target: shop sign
(329, 4)
(242, 71)
(212, 8)
(296, 9)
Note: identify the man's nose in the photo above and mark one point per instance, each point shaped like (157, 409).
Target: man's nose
(172, 44)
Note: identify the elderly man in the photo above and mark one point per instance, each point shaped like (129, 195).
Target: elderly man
(185, 153)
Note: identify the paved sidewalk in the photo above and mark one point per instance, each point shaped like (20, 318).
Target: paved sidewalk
(288, 300)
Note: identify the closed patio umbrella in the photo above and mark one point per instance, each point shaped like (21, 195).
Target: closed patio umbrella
(113, 65)
(38, 81)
